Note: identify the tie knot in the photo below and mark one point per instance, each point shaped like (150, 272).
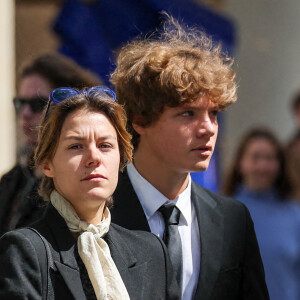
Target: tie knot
(171, 214)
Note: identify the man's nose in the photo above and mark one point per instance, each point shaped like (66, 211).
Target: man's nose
(26, 111)
(206, 126)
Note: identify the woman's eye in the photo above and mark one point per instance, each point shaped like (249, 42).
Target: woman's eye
(105, 146)
(188, 113)
(76, 146)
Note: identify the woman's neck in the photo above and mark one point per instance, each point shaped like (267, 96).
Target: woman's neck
(92, 215)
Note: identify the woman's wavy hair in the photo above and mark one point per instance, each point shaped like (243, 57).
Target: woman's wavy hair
(169, 68)
(52, 124)
(234, 177)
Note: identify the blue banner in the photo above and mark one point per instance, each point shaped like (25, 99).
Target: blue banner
(91, 33)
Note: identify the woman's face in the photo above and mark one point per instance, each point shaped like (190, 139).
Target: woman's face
(259, 165)
(86, 163)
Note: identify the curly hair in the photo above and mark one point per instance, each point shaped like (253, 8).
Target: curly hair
(234, 177)
(51, 127)
(167, 69)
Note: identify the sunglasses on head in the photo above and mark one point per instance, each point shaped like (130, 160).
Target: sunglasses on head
(60, 94)
(36, 104)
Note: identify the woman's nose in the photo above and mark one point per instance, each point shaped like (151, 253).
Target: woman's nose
(94, 157)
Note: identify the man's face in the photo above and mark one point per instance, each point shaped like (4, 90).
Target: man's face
(31, 87)
(183, 138)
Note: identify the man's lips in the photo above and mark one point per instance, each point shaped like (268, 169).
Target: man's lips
(203, 150)
(93, 177)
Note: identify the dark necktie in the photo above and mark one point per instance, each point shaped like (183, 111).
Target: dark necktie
(172, 238)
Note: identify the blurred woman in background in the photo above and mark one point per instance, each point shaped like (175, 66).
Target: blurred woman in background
(258, 179)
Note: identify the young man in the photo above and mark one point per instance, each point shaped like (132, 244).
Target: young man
(172, 88)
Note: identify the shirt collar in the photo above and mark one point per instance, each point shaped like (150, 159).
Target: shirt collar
(151, 199)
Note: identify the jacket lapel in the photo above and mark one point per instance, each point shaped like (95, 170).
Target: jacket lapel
(68, 266)
(127, 210)
(211, 228)
(127, 264)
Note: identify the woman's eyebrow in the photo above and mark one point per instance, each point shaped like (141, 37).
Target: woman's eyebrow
(74, 137)
(80, 137)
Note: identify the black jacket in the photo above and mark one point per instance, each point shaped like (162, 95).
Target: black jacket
(20, 204)
(139, 256)
(230, 265)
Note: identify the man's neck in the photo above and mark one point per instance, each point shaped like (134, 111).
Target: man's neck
(165, 179)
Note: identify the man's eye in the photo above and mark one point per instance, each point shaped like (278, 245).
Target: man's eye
(214, 113)
(188, 113)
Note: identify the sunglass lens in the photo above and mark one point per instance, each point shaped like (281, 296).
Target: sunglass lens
(18, 104)
(101, 89)
(61, 94)
(38, 104)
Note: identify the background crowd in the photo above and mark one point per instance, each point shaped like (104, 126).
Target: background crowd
(264, 173)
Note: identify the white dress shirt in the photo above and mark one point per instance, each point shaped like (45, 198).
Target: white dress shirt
(151, 200)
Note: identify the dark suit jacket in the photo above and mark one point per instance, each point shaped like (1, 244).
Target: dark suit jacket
(139, 256)
(20, 203)
(230, 264)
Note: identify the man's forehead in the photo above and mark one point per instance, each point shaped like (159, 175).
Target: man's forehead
(201, 102)
(34, 85)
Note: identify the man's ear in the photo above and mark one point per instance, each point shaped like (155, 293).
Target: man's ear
(47, 168)
(138, 127)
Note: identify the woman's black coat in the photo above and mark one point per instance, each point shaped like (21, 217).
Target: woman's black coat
(140, 257)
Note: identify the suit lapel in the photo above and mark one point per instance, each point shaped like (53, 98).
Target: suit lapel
(127, 265)
(65, 241)
(123, 257)
(211, 228)
(127, 210)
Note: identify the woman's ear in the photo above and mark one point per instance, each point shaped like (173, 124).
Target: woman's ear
(47, 168)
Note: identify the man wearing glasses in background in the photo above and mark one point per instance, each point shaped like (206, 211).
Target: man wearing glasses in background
(20, 203)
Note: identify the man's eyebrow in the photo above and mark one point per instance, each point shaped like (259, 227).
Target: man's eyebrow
(191, 106)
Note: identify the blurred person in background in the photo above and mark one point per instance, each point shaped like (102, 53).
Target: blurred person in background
(293, 150)
(258, 178)
(20, 203)
(296, 111)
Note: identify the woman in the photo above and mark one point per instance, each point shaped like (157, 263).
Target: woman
(20, 204)
(82, 144)
(258, 179)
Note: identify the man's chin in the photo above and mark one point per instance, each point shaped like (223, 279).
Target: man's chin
(199, 167)
(31, 139)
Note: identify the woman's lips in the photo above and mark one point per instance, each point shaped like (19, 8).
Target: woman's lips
(94, 178)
